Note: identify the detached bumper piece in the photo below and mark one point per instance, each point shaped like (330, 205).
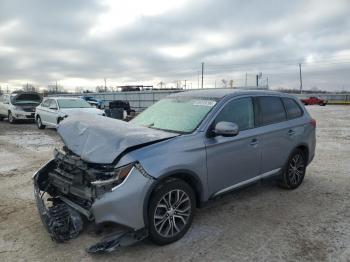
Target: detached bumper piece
(116, 240)
(61, 221)
(64, 222)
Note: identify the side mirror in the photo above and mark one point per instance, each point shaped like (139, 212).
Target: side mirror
(53, 108)
(226, 129)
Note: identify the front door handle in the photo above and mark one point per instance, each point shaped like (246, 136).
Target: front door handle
(291, 132)
(254, 142)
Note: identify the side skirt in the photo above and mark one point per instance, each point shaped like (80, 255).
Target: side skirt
(249, 181)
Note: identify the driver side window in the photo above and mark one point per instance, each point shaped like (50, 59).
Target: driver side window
(53, 104)
(46, 103)
(239, 111)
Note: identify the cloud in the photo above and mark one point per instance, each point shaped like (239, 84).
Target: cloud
(81, 42)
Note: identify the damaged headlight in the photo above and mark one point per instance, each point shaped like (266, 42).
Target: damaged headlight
(119, 175)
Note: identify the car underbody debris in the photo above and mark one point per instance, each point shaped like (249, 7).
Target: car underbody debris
(117, 239)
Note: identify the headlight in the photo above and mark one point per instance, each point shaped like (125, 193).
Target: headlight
(119, 175)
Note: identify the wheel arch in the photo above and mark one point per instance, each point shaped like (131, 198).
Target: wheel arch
(304, 147)
(187, 176)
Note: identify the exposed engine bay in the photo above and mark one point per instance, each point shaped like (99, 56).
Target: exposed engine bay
(67, 187)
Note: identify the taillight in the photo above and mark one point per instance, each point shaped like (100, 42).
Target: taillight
(313, 123)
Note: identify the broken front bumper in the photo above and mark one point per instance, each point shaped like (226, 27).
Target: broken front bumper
(123, 205)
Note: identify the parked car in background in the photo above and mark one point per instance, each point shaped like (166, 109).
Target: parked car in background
(92, 101)
(19, 106)
(151, 173)
(312, 100)
(54, 109)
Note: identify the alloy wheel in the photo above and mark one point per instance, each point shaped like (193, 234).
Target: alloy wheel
(39, 122)
(172, 213)
(11, 120)
(296, 169)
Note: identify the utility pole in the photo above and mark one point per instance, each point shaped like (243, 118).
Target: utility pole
(246, 79)
(197, 79)
(185, 84)
(56, 88)
(267, 82)
(301, 79)
(202, 73)
(257, 80)
(105, 84)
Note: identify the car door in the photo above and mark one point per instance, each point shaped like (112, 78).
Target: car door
(43, 110)
(4, 105)
(233, 161)
(52, 114)
(276, 134)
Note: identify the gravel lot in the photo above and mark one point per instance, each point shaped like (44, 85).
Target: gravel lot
(259, 223)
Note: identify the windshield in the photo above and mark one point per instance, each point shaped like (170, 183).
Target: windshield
(73, 103)
(178, 114)
(22, 99)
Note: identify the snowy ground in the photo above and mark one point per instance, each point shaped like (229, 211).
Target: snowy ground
(259, 223)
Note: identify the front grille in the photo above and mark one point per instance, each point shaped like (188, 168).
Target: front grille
(28, 109)
(73, 176)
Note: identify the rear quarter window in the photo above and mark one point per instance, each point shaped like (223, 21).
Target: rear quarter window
(292, 108)
(271, 110)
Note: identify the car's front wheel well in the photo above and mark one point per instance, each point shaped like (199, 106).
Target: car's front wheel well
(192, 182)
(186, 177)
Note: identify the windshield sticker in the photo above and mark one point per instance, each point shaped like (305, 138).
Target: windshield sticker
(210, 103)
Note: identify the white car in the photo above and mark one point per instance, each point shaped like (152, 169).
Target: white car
(19, 106)
(54, 109)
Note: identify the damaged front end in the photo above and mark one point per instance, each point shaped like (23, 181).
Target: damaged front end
(70, 192)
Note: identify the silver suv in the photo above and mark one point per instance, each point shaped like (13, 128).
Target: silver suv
(150, 174)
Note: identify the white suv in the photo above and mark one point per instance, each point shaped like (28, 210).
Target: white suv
(54, 109)
(19, 106)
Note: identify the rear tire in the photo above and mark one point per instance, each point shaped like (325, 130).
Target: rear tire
(170, 211)
(11, 118)
(294, 171)
(1, 118)
(39, 123)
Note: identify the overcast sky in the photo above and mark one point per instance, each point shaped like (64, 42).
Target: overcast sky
(80, 42)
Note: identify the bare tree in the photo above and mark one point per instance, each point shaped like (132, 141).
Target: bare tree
(29, 88)
(55, 89)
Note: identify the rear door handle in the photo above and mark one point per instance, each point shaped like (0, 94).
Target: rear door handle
(291, 132)
(254, 142)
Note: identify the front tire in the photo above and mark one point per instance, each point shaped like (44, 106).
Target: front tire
(294, 171)
(170, 211)
(39, 123)
(11, 118)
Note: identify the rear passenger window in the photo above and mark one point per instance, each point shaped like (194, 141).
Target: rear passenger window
(239, 111)
(292, 108)
(272, 110)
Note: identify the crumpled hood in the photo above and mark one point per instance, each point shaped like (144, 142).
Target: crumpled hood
(98, 139)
